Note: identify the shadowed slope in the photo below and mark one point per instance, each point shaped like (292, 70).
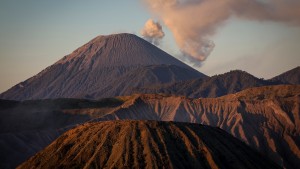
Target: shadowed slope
(15, 148)
(147, 144)
(51, 114)
(29, 126)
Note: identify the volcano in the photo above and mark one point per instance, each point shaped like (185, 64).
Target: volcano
(147, 144)
(104, 67)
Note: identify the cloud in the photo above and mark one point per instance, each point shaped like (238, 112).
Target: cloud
(194, 22)
(152, 32)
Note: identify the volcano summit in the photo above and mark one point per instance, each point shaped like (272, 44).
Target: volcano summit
(104, 67)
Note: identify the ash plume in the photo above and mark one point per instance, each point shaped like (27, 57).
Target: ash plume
(152, 32)
(194, 22)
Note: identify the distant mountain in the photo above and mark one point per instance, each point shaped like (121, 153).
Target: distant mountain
(147, 144)
(215, 86)
(100, 69)
(289, 77)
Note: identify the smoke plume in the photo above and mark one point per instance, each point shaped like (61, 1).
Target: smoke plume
(152, 32)
(193, 22)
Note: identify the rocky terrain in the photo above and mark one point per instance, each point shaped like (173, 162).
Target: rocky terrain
(147, 144)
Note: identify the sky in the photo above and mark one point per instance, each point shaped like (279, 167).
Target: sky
(35, 34)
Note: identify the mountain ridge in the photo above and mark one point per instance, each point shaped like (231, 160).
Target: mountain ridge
(214, 86)
(290, 77)
(266, 118)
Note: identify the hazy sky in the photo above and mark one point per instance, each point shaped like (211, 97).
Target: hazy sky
(34, 34)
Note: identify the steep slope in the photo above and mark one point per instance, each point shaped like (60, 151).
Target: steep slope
(289, 77)
(215, 86)
(266, 118)
(147, 144)
(96, 65)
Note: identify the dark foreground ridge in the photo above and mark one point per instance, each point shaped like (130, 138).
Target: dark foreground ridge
(147, 144)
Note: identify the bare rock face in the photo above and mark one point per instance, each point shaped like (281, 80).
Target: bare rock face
(147, 144)
(99, 68)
